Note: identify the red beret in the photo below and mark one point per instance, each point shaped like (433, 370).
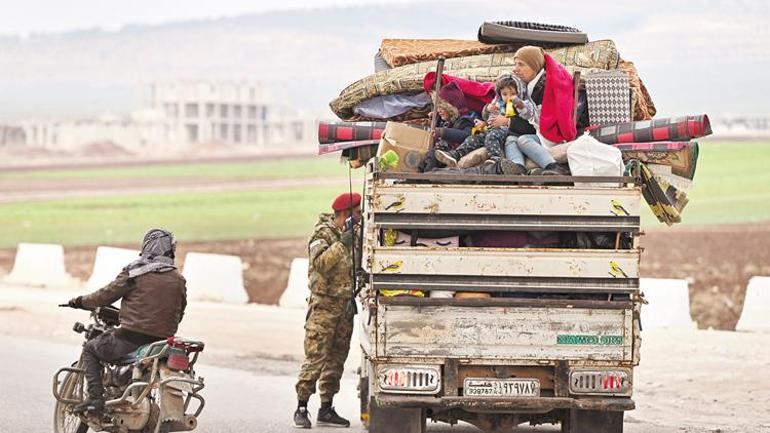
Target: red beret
(346, 201)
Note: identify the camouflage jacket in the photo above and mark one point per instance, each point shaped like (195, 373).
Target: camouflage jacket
(330, 261)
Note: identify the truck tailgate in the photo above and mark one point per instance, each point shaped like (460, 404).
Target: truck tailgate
(505, 329)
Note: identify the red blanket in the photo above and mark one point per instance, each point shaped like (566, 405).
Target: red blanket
(476, 94)
(556, 121)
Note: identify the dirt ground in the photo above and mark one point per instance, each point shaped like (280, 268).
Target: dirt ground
(717, 260)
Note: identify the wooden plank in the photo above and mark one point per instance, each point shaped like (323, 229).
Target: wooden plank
(523, 262)
(505, 200)
(505, 332)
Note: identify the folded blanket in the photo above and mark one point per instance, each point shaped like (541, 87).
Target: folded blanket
(680, 156)
(556, 121)
(477, 94)
(666, 201)
(666, 129)
(388, 106)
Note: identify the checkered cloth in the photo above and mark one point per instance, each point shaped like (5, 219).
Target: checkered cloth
(666, 129)
(609, 98)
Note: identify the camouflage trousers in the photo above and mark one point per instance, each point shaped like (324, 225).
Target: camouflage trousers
(493, 140)
(328, 328)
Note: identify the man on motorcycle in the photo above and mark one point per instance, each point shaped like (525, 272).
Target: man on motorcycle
(154, 297)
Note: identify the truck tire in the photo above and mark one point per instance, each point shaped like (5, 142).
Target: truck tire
(395, 420)
(363, 395)
(592, 421)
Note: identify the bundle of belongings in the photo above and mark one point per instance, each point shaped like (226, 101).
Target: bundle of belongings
(585, 112)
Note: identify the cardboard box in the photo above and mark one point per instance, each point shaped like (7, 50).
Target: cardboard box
(402, 148)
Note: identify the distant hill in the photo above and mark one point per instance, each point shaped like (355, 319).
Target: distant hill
(691, 59)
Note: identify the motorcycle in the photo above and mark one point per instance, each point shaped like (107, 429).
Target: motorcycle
(147, 391)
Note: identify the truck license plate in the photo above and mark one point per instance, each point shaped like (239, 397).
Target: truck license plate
(487, 387)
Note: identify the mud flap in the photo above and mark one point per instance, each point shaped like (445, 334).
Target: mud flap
(172, 396)
(592, 421)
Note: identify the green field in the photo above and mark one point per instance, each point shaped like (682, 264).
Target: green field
(319, 166)
(732, 185)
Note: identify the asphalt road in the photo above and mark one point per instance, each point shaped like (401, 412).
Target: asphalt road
(237, 401)
(242, 400)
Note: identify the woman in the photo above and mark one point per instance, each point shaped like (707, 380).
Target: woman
(550, 87)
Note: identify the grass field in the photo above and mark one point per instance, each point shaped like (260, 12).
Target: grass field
(319, 166)
(732, 185)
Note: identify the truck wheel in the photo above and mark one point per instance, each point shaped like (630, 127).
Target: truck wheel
(592, 421)
(395, 420)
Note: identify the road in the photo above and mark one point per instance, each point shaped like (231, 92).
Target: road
(689, 381)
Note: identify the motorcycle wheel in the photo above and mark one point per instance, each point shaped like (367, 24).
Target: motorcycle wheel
(63, 419)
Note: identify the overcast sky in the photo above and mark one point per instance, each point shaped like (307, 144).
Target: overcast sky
(51, 16)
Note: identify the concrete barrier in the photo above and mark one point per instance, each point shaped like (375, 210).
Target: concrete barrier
(40, 265)
(214, 277)
(297, 289)
(668, 304)
(755, 316)
(108, 263)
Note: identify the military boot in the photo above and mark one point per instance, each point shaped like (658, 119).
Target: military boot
(328, 417)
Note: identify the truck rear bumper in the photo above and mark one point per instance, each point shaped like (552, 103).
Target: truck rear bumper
(521, 404)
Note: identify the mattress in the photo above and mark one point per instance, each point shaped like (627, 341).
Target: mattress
(594, 56)
(400, 52)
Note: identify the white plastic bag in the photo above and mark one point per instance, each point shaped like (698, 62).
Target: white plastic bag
(589, 157)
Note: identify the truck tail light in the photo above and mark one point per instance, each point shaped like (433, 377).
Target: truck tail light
(409, 379)
(595, 381)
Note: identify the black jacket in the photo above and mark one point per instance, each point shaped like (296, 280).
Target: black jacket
(456, 132)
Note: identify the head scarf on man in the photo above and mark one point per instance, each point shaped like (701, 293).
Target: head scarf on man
(157, 254)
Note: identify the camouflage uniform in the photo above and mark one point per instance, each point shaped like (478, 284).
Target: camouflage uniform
(329, 322)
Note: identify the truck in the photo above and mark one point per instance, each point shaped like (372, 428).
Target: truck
(553, 333)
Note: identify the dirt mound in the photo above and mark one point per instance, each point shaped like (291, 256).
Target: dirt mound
(102, 149)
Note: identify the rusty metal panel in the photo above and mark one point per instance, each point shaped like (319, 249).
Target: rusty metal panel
(506, 262)
(505, 332)
(505, 200)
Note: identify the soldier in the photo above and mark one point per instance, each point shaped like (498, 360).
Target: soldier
(329, 322)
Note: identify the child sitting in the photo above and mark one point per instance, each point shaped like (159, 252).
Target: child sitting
(509, 114)
(454, 124)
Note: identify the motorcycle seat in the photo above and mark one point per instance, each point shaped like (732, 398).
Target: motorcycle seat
(141, 352)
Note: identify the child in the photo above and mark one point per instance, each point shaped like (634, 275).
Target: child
(509, 114)
(456, 120)
(454, 124)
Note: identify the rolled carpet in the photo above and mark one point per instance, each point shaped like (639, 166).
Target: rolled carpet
(682, 128)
